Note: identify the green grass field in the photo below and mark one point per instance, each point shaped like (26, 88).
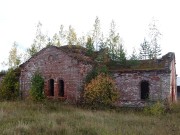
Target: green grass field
(54, 118)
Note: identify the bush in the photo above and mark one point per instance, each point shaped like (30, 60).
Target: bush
(175, 107)
(9, 89)
(101, 91)
(156, 109)
(95, 72)
(37, 85)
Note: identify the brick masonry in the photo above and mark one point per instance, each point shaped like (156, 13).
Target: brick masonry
(55, 64)
(162, 85)
(129, 86)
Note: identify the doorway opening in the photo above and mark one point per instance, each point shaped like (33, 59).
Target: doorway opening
(144, 90)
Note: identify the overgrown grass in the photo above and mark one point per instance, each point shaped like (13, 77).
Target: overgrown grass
(53, 118)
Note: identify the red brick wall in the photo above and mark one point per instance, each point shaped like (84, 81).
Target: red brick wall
(54, 64)
(173, 90)
(58, 65)
(129, 86)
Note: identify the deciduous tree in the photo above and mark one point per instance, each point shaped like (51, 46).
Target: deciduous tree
(114, 44)
(96, 33)
(154, 35)
(101, 91)
(71, 36)
(14, 57)
(40, 41)
(60, 38)
(56, 40)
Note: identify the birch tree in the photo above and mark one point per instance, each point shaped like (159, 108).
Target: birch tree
(154, 35)
(40, 41)
(71, 36)
(14, 59)
(96, 33)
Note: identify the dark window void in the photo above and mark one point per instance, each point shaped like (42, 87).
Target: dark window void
(144, 90)
(61, 88)
(178, 92)
(51, 87)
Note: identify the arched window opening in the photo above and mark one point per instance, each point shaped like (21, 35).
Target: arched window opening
(51, 87)
(144, 90)
(61, 88)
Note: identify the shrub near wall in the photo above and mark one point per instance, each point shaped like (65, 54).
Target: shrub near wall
(156, 109)
(37, 85)
(101, 91)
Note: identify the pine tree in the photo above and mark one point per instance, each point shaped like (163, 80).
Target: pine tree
(134, 55)
(133, 61)
(121, 55)
(32, 50)
(89, 46)
(145, 50)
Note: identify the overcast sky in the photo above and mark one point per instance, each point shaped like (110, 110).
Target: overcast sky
(18, 19)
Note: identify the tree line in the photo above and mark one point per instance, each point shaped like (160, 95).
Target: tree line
(93, 41)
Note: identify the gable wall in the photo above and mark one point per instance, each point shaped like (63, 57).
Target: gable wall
(55, 64)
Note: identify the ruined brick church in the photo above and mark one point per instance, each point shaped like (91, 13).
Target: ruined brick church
(65, 68)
